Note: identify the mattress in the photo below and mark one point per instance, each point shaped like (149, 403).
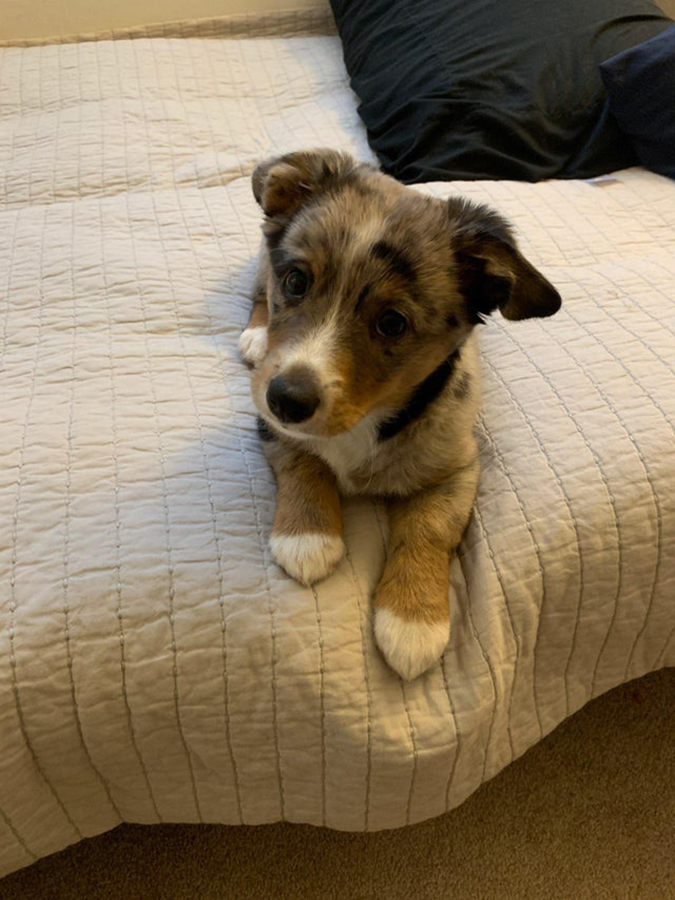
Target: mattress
(156, 665)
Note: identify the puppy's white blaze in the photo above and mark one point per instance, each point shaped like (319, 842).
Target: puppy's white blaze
(307, 557)
(315, 351)
(253, 344)
(410, 647)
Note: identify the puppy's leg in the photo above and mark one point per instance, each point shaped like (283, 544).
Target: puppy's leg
(253, 339)
(412, 622)
(307, 532)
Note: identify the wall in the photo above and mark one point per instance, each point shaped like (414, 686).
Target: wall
(44, 18)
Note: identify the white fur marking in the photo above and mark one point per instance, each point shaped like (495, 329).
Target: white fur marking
(307, 557)
(409, 647)
(352, 450)
(253, 344)
(315, 350)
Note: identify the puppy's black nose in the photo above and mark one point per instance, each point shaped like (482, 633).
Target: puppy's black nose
(293, 397)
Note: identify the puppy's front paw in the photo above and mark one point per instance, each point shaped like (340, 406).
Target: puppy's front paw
(253, 344)
(307, 557)
(410, 646)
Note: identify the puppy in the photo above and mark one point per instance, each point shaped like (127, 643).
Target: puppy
(365, 373)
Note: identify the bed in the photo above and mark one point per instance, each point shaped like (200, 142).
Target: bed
(156, 665)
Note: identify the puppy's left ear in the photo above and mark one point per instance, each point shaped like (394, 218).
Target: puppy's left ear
(491, 271)
(283, 184)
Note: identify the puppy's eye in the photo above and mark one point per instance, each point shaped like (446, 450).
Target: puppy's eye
(295, 284)
(392, 323)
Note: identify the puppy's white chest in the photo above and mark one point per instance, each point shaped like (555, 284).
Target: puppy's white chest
(351, 455)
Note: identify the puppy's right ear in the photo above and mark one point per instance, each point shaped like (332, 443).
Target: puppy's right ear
(283, 184)
(491, 271)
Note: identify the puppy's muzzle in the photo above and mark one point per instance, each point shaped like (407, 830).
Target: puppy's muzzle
(294, 396)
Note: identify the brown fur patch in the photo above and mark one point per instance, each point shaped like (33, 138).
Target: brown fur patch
(307, 497)
(423, 532)
(259, 314)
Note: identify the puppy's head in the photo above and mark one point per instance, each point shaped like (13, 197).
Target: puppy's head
(371, 286)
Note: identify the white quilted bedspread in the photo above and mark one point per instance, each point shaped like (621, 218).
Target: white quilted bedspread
(155, 665)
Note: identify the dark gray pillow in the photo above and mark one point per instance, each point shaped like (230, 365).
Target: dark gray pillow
(453, 89)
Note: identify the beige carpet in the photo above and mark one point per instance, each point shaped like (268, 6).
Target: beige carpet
(588, 813)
